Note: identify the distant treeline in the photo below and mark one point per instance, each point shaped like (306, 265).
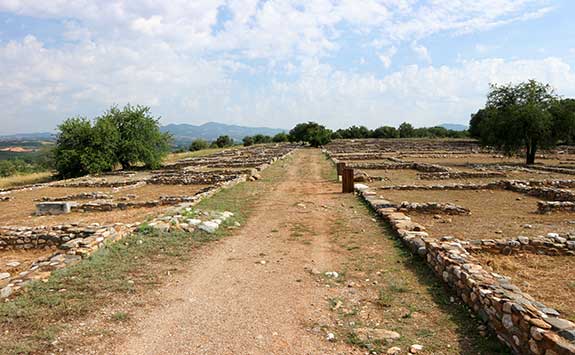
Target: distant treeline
(316, 134)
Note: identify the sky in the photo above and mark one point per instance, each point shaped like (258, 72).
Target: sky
(276, 63)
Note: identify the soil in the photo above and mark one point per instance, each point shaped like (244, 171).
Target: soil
(264, 290)
(494, 214)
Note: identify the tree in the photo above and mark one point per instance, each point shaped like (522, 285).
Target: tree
(520, 116)
(140, 139)
(563, 112)
(248, 141)
(406, 130)
(280, 137)
(223, 141)
(199, 144)
(310, 132)
(385, 132)
(84, 149)
(355, 132)
(260, 139)
(475, 122)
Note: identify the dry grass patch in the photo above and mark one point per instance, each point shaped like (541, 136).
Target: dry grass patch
(550, 279)
(19, 180)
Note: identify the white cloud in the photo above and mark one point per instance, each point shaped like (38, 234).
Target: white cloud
(176, 56)
(387, 56)
(421, 52)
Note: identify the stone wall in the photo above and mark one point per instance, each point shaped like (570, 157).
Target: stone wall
(433, 207)
(42, 237)
(553, 244)
(97, 195)
(460, 175)
(554, 206)
(525, 325)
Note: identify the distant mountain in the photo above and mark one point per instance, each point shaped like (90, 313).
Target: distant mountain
(185, 133)
(454, 126)
(29, 136)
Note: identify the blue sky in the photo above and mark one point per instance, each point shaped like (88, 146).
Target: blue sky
(276, 63)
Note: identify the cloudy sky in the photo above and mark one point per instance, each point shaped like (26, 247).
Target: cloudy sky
(275, 62)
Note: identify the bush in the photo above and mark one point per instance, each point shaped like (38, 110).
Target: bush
(199, 144)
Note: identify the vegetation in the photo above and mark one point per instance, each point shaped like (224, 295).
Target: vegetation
(127, 137)
(310, 132)
(526, 116)
(199, 144)
(11, 167)
(222, 142)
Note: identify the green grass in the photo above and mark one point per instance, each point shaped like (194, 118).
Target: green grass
(137, 263)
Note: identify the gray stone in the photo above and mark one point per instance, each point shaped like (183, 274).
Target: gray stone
(52, 208)
(6, 292)
(4, 275)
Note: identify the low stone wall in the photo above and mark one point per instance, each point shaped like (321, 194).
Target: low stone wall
(190, 178)
(525, 325)
(399, 165)
(548, 193)
(433, 207)
(97, 195)
(460, 175)
(553, 244)
(42, 237)
(554, 206)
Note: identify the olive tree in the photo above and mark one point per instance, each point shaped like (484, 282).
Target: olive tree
(519, 117)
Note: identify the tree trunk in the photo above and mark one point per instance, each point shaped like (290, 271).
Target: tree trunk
(530, 157)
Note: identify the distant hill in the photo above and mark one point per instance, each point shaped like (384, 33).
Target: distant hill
(46, 136)
(454, 126)
(185, 133)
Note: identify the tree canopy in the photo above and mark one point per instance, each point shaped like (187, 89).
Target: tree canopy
(311, 132)
(125, 137)
(528, 116)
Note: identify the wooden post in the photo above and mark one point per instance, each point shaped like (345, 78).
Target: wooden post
(347, 181)
(339, 167)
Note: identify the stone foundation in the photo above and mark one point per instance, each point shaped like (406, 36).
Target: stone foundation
(525, 325)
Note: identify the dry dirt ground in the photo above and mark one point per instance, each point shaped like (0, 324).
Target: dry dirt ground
(264, 290)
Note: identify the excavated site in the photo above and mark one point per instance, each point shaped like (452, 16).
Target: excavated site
(45, 227)
(500, 233)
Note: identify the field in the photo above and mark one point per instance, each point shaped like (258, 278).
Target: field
(453, 191)
(464, 251)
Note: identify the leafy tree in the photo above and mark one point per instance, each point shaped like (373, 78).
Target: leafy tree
(199, 144)
(310, 132)
(385, 132)
(260, 139)
(475, 122)
(406, 130)
(140, 139)
(280, 137)
(520, 116)
(355, 132)
(82, 149)
(563, 112)
(248, 140)
(223, 141)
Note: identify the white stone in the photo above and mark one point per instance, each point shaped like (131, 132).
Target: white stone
(360, 187)
(194, 221)
(330, 337)
(208, 226)
(13, 264)
(4, 275)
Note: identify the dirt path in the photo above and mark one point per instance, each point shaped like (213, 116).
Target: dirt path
(232, 303)
(264, 290)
